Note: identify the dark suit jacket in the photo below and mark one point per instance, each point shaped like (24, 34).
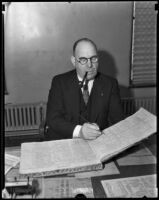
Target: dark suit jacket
(63, 104)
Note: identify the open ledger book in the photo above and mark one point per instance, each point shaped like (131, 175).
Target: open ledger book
(75, 155)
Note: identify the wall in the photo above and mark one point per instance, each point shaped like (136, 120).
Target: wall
(39, 37)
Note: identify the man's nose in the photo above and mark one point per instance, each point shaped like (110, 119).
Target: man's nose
(89, 63)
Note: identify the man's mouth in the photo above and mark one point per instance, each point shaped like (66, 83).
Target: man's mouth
(91, 72)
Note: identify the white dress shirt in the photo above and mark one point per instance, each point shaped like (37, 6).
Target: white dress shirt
(77, 129)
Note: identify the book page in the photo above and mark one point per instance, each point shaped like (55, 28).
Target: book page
(132, 187)
(124, 134)
(59, 156)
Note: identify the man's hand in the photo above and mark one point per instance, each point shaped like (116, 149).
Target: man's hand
(90, 131)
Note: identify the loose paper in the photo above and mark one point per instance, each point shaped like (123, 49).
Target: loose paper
(66, 187)
(132, 187)
(10, 162)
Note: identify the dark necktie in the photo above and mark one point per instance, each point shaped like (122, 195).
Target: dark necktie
(85, 92)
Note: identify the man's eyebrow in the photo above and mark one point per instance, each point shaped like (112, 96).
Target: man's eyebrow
(88, 57)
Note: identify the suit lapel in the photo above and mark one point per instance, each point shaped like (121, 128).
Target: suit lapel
(96, 97)
(74, 94)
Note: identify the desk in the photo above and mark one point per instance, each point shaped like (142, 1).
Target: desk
(125, 171)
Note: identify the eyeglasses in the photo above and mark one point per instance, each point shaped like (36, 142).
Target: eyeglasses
(83, 60)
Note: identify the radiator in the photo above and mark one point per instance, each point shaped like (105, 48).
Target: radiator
(22, 117)
(131, 105)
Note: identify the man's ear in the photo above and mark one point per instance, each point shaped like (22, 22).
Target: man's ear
(73, 60)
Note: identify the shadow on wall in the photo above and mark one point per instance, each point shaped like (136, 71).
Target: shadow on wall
(107, 66)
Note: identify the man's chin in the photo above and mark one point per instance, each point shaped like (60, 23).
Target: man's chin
(91, 76)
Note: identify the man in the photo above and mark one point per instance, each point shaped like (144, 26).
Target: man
(68, 115)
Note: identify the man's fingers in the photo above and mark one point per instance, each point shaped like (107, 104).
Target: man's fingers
(95, 132)
(91, 137)
(93, 126)
(92, 134)
(90, 131)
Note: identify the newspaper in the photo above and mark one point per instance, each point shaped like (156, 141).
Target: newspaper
(132, 187)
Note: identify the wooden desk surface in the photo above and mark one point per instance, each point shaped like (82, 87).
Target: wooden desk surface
(125, 171)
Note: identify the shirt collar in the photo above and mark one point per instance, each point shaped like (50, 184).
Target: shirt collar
(80, 79)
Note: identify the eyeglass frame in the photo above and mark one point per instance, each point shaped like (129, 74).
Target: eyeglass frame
(87, 59)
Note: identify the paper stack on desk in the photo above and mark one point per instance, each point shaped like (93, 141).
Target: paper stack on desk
(75, 155)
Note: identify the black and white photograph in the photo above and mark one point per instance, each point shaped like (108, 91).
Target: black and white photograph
(79, 90)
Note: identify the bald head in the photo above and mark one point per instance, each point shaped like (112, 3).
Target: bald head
(82, 41)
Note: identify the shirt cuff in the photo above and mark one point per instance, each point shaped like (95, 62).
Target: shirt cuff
(76, 132)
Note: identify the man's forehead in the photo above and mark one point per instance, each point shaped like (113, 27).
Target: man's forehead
(85, 47)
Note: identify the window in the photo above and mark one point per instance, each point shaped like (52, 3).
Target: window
(143, 60)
